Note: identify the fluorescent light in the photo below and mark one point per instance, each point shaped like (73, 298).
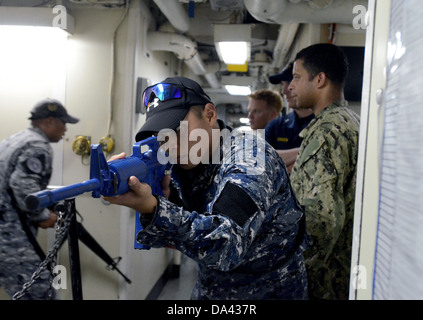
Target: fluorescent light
(37, 16)
(244, 120)
(238, 90)
(233, 43)
(233, 52)
(30, 55)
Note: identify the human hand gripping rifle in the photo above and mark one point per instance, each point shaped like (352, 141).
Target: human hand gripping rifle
(111, 178)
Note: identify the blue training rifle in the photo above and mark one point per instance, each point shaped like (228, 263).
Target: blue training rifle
(110, 178)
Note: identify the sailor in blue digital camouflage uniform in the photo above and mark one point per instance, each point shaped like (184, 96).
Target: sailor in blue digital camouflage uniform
(26, 167)
(237, 217)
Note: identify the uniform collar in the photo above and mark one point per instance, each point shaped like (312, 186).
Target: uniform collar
(40, 132)
(329, 108)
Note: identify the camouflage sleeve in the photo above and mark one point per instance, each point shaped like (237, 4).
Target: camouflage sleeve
(215, 239)
(321, 194)
(209, 239)
(31, 174)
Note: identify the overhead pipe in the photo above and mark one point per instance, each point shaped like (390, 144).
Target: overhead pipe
(210, 75)
(185, 49)
(175, 13)
(305, 11)
(287, 33)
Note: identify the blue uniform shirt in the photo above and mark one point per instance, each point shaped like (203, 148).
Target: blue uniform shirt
(240, 220)
(282, 133)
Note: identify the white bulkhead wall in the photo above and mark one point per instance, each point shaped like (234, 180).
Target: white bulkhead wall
(87, 96)
(88, 93)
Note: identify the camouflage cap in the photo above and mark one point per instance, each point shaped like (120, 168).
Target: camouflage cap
(51, 108)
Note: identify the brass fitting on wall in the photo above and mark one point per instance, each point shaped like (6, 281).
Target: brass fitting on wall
(81, 145)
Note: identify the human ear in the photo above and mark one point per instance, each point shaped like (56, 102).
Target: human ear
(320, 80)
(210, 114)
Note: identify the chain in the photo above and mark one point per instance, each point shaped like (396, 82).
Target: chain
(53, 262)
(62, 226)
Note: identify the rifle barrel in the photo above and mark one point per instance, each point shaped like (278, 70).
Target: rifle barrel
(45, 198)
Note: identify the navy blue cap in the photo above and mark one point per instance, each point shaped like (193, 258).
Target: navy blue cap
(51, 108)
(168, 114)
(285, 75)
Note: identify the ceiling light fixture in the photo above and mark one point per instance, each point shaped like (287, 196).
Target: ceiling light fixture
(39, 17)
(237, 85)
(238, 90)
(233, 43)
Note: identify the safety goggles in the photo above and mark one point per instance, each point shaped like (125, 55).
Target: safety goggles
(167, 91)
